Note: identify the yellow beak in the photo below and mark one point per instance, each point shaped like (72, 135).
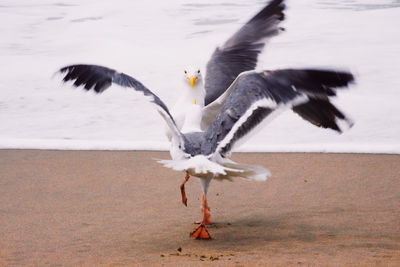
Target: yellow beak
(192, 81)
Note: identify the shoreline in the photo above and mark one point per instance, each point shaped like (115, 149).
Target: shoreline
(167, 151)
(148, 145)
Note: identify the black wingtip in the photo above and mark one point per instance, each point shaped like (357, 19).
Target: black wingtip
(275, 7)
(333, 78)
(89, 76)
(64, 69)
(323, 113)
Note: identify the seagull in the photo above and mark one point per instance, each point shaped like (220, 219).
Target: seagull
(208, 122)
(254, 97)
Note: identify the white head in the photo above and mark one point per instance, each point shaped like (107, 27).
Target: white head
(192, 77)
(195, 91)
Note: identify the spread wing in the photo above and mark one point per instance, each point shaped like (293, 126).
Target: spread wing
(240, 52)
(256, 97)
(98, 78)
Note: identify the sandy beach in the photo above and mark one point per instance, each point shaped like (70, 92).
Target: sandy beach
(108, 208)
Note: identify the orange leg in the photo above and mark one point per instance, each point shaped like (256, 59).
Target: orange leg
(183, 193)
(205, 210)
(201, 231)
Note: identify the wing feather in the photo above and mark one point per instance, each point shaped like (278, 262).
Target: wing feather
(257, 96)
(101, 78)
(240, 52)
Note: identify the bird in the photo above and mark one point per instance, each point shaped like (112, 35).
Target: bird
(207, 123)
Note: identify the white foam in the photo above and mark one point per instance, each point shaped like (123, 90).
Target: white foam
(40, 37)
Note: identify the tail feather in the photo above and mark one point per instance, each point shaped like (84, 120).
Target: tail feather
(201, 166)
(198, 166)
(251, 172)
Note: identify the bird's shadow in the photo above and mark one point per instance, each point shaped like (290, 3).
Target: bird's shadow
(248, 233)
(259, 230)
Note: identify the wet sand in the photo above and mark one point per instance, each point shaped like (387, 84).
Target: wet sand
(91, 208)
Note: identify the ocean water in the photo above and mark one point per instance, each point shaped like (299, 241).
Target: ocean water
(154, 42)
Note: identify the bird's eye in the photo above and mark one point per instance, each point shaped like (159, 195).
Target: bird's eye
(185, 71)
(198, 71)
